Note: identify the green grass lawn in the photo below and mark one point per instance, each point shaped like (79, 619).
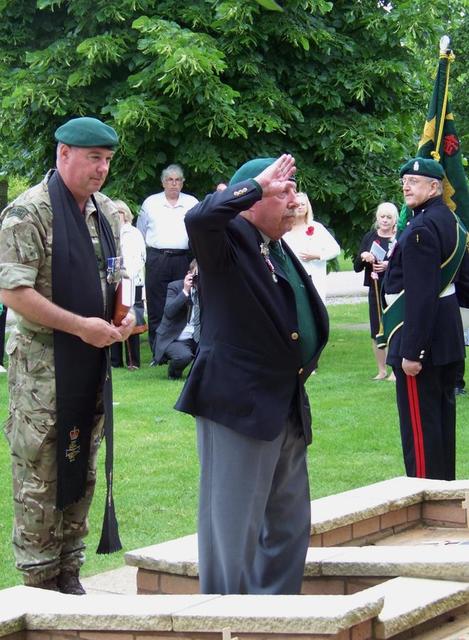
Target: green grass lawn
(356, 441)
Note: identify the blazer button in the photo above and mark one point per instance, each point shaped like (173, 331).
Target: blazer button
(300, 371)
(295, 335)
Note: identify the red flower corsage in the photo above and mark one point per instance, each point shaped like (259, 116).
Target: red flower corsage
(309, 231)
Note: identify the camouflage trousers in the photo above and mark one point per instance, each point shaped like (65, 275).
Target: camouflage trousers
(46, 541)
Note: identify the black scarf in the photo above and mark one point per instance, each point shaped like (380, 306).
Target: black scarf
(81, 370)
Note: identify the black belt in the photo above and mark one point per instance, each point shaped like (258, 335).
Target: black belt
(171, 252)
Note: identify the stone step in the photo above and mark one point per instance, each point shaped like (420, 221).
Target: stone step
(450, 562)
(187, 616)
(409, 603)
(373, 508)
(379, 613)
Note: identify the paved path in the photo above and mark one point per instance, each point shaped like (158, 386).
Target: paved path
(345, 284)
(120, 581)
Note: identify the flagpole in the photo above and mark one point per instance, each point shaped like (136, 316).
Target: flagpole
(446, 53)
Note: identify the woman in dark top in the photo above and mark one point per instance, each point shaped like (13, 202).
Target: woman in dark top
(372, 257)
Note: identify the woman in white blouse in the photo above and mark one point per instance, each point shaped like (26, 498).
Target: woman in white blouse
(312, 244)
(133, 251)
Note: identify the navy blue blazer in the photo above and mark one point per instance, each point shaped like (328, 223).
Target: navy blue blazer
(432, 329)
(247, 373)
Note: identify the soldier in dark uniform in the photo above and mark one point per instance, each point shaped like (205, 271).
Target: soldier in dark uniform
(426, 344)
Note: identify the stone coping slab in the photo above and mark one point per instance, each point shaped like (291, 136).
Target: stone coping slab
(47, 610)
(449, 562)
(352, 506)
(43, 609)
(281, 614)
(180, 556)
(409, 602)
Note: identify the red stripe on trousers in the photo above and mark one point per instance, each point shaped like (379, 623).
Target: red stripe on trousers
(416, 422)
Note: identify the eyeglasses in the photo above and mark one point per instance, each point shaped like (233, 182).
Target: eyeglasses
(412, 180)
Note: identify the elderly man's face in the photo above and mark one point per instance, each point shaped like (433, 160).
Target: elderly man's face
(172, 184)
(84, 169)
(275, 215)
(418, 189)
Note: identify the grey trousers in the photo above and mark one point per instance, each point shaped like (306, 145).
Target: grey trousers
(254, 511)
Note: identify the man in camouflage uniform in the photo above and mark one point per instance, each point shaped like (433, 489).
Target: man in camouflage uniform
(48, 542)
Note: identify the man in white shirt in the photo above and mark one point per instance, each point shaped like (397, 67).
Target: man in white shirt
(161, 221)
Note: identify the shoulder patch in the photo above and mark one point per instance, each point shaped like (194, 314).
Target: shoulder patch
(16, 212)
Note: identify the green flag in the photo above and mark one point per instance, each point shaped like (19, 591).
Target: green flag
(440, 142)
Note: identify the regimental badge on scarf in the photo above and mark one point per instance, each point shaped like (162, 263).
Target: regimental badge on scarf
(73, 449)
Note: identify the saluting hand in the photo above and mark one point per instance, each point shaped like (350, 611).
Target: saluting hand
(275, 179)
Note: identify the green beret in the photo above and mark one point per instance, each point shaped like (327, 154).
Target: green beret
(87, 132)
(251, 169)
(423, 167)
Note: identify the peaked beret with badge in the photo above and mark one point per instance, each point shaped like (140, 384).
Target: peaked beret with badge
(251, 169)
(423, 167)
(87, 132)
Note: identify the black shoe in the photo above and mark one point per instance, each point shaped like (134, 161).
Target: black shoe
(460, 391)
(68, 582)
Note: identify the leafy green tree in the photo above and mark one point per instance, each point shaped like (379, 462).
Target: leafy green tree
(459, 82)
(210, 83)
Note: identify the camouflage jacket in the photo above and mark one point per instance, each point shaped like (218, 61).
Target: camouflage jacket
(26, 243)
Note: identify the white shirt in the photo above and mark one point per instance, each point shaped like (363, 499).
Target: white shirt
(321, 242)
(162, 224)
(133, 252)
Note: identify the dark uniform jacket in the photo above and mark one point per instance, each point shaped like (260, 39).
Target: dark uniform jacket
(432, 329)
(175, 317)
(248, 372)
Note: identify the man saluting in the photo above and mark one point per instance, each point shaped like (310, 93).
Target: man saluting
(263, 328)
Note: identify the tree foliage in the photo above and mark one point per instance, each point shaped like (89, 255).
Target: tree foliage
(343, 85)
(459, 83)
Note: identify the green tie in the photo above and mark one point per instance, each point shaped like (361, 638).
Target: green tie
(276, 250)
(306, 322)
